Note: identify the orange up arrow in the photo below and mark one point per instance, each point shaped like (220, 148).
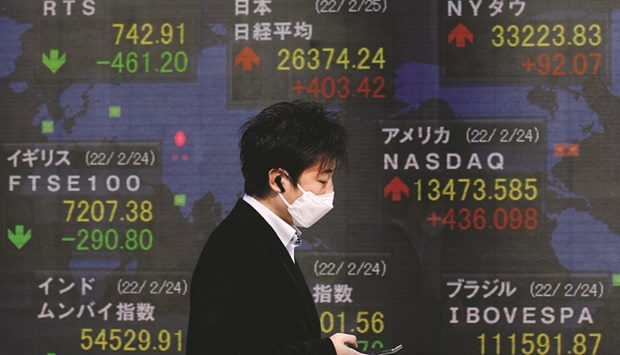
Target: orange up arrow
(396, 187)
(246, 58)
(460, 33)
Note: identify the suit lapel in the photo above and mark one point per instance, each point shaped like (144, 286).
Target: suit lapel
(299, 281)
(308, 295)
(265, 232)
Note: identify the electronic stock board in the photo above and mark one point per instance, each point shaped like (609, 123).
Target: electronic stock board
(476, 215)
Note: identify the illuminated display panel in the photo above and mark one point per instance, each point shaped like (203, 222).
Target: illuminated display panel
(525, 42)
(478, 213)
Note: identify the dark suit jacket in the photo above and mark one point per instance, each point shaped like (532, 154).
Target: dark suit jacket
(248, 297)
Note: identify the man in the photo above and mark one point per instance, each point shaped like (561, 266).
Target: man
(248, 295)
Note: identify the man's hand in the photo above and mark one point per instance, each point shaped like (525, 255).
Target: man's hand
(344, 343)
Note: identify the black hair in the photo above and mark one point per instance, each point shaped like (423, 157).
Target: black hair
(293, 136)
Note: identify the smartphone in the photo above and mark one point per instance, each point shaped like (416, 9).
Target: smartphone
(386, 351)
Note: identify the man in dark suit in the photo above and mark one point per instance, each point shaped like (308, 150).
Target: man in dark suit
(248, 295)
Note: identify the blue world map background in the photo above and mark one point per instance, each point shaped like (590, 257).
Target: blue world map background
(157, 112)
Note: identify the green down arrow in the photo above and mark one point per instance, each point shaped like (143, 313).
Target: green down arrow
(53, 62)
(19, 238)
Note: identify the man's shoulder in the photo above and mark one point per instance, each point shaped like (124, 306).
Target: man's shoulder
(242, 220)
(241, 215)
(243, 234)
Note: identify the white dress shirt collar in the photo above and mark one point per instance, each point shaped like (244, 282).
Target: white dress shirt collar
(287, 233)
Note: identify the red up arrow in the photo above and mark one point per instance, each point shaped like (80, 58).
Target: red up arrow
(396, 187)
(246, 58)
(460, 33)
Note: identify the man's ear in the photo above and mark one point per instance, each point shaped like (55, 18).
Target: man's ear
(275, 179)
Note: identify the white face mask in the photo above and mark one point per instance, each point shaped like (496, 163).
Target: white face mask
(309, 208)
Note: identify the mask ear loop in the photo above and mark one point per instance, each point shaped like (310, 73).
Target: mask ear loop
(278, 181)
(284, 200)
